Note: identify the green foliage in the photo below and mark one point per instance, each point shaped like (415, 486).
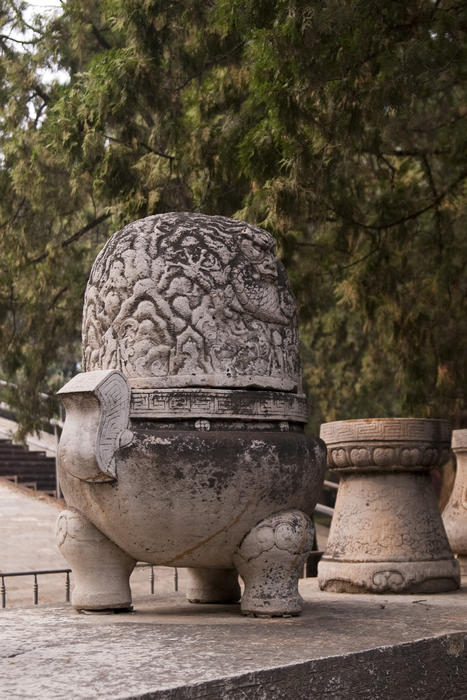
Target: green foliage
(339, 126)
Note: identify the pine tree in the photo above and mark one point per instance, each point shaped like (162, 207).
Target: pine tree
(339, 126)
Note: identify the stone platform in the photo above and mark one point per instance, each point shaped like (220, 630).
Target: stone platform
(342, 647)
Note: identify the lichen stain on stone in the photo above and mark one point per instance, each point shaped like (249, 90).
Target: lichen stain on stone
(455, 645)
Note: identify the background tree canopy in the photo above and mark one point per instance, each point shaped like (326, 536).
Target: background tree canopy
(339, 126)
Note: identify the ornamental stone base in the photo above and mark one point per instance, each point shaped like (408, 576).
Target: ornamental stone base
(455, 513)
(387, 535)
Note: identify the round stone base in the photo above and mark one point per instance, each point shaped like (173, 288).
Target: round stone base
(389, 577)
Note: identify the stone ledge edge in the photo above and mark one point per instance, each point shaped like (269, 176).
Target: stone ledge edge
(428, 666)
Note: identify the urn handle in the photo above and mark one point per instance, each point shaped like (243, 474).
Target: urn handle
(97, 416)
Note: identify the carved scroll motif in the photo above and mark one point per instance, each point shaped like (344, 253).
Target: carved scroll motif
(98, 407)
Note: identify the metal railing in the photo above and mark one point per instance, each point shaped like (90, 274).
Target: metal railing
(35, 574)
(67, 572)
(151, 576)
(322, 509)
(330, 485)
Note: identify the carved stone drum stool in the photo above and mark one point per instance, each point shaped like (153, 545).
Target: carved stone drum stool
(183, 443)
(455, 513)
(387, 535)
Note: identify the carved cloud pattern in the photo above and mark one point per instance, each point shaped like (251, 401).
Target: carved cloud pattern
(191, 300)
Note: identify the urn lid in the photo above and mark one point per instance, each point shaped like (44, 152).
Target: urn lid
(188, 300)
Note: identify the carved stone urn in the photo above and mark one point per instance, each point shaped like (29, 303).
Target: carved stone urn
(455, 513)
(183, 443)
(387, 535)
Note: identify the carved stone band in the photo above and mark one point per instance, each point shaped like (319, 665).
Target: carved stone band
(381, 455)
(386, 443)
(218, 403)
(386, 430)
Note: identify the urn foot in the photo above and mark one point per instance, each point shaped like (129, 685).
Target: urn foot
(270, 560)
(101, 570)
(213, 586)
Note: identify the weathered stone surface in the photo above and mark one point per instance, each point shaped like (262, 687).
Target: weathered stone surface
(93, 558)
(179, 300)
(270, 561)
(184, 436)
(188, 497)
(342, 647)
(455, 513)
(386, 444)
(386, 533)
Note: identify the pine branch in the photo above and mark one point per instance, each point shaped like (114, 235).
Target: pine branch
(57, 297)
(43, 95)
(101, 39)
(143, 145)
(21, 19)
(434, 203)
(359, 260)
(13, 218)
(18, 41)
(414, 153)
(212, 62)
(11, 55)
(91, 225)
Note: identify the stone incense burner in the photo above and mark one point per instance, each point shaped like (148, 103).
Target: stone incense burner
(183, 443)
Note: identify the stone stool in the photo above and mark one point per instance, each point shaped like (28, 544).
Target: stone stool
(455, 513)
(387, 535)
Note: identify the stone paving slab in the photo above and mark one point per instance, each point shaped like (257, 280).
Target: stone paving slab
(27, 522)
(343, 646)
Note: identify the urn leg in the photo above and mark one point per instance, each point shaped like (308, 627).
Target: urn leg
(270, 560)
(213, 586)
(101, 570)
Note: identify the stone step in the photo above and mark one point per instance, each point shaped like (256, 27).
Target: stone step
(24, 470)
(18, 450)
(26, 467)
